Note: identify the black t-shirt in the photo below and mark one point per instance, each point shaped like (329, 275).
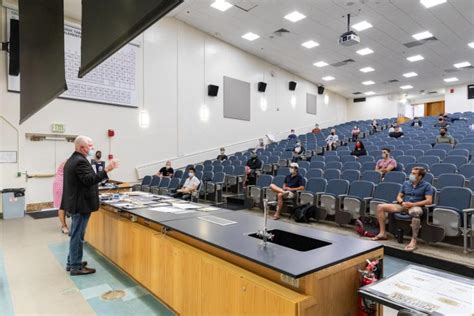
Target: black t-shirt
(165, 172)
(254, 163)
(396, 134)
(222, 157)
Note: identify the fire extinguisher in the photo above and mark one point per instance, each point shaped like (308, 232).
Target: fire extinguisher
(369, 275)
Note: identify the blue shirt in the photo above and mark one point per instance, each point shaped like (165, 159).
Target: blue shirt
(417, 193)
(294, 181)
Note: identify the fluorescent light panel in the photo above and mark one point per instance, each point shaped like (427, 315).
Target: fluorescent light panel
(462, 64)
(368, 83)
(320, 64)
(221, 5)
(369, 93)
(410, 74)
(431, 3)
(295, 16)
(471, 44)
(406, 87)
(328, 78)
(364, 25)
(250, 36)
(364, 51)
(415, 58)
(422, 35)
(310, 44)
(452, 79)
(367, 69)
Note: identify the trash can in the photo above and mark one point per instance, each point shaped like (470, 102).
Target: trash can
(13, 203)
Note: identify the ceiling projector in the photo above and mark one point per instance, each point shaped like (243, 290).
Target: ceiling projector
(349, 38)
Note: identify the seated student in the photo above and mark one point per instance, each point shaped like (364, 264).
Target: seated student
(386, 164)
(441, 122)
(355, 133)
(374, 125)
(261, 144)
(331, 140)
(293, 182)
(359, 149)
(190, 185)
(292, 134)
(222, 156)
(316, 129)
(416, 122)
(397, 133)
(252, 166)
(298, 152)
(444, 137)
(166, 171)
(415, 194)
(97, 163)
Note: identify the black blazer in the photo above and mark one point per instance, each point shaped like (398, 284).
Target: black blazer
(80, 186)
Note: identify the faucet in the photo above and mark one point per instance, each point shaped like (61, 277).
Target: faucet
(264, 234)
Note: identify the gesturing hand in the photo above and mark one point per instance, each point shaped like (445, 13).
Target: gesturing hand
(113, 164)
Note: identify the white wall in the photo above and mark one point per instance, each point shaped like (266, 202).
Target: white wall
(458, 101)
(174, 93)
(374, 107)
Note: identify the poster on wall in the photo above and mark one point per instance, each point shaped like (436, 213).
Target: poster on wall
(112, 82)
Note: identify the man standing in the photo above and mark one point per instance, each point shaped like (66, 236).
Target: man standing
(80, 198)
(414, 195)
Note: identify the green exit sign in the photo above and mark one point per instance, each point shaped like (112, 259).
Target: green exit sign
(58, 128)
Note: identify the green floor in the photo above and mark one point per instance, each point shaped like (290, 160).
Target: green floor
(137, 301)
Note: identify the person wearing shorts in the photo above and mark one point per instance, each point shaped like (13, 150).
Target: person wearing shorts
(293, 182)
(414, 195)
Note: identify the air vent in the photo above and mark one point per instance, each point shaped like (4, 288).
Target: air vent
(457, 69)
(245, 5)
(281, 31)
(356, 100)
(433, 92)
(419, 43)
(393, 80)
(343, 63)
(356, 93)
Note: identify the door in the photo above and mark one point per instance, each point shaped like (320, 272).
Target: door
(434, 108)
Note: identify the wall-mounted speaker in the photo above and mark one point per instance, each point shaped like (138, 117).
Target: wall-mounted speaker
(320, 90)
(212, 90)
(14, 49)
(292, 85)
(359, 100)
(470, 91)
(262, 86)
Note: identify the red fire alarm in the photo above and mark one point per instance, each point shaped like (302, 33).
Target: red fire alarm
(111, 133)
(451, 90)
(111, 156)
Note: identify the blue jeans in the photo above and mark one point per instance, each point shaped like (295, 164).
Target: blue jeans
(78, 230)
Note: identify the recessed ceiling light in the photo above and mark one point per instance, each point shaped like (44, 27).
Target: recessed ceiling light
(422, 35)
(367, 69)
(431, 3)
(295, 16)
(452, 79)
(471, 44)
(369, 93)
(250, 36)
(328, 78)
(364, 25)
(368, 83)
(310, 44)
(415, 58)
(462, 64)
(320, 64)
(406, 87)
(221, 5)
(410, 74)
(364, 51)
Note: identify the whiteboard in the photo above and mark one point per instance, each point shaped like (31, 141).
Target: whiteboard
(112, 82)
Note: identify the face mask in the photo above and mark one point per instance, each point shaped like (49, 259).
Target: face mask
(222, 152)
(168, 166)
(442, 134)
(297, 149)
(384, 155)
(190, 174)
(412, 177)
(293, 170)
(91, 152)
(253, 156)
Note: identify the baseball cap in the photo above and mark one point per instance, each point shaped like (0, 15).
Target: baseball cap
(294, 165)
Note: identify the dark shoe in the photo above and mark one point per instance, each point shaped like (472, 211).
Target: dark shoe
(82, 271)
(84, 263)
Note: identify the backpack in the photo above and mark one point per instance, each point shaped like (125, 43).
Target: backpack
(367, 226)
(303, 213)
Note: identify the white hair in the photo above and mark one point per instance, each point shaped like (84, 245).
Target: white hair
(82, 140)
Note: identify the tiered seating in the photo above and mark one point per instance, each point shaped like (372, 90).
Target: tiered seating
(333, 174)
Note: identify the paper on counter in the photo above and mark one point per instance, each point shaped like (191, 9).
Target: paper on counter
(186, 206)
(208, 209)
(163, 209)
